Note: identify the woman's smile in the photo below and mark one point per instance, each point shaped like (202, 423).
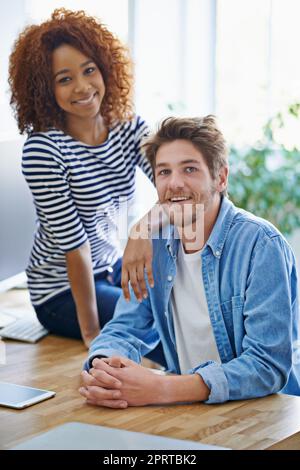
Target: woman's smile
(86, 101)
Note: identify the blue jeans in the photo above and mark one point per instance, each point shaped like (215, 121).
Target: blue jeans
(59, 314)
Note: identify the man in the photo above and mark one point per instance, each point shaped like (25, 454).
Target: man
(224, 304)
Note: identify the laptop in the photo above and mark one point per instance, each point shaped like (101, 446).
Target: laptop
(81, 436)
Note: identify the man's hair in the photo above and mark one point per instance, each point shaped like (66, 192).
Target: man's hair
(203, 133)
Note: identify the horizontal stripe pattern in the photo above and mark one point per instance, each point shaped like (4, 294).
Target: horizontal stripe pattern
(76, 190)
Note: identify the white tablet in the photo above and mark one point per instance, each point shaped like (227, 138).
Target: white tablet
(19, 396)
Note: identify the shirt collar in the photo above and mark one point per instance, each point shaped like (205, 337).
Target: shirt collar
(221, 228)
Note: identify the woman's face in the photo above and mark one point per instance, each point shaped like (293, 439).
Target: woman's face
(78, 84)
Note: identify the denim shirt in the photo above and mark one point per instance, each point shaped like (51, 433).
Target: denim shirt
(250, 282)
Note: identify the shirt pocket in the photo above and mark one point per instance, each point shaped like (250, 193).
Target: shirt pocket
(232, 311)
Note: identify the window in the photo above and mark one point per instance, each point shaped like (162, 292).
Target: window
(258, 71)
(113, 12)
(174, 49)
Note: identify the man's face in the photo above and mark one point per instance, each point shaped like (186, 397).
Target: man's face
(184, 184)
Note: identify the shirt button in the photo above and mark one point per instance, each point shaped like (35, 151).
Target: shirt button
(170, 278)
(218, 253)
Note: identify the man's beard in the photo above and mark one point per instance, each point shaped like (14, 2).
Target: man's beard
(183, 215)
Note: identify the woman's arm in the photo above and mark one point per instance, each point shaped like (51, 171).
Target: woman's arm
(80, 273)
(137, 257)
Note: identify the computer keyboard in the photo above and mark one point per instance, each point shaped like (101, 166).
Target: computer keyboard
(24, 329)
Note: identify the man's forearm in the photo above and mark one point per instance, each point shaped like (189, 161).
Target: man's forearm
(183, 389)
(80, 273)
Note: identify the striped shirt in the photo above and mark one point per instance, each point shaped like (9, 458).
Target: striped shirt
(77, 189)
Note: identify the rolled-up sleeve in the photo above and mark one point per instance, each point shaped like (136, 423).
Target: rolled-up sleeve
(214, 377)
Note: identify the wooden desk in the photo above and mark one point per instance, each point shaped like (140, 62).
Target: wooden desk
(54, 363)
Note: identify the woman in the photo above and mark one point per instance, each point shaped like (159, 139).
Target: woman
(71, 85)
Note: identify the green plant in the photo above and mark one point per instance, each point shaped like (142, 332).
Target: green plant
(265, 177)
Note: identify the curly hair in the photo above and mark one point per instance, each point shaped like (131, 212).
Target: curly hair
(31, 78)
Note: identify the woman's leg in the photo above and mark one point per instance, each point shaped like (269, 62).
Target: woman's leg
(59, 315)
(107, 297)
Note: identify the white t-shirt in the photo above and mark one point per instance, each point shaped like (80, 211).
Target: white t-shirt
(193, 331)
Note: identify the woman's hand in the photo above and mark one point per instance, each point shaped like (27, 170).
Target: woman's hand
(138, 253)
(136, 259)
